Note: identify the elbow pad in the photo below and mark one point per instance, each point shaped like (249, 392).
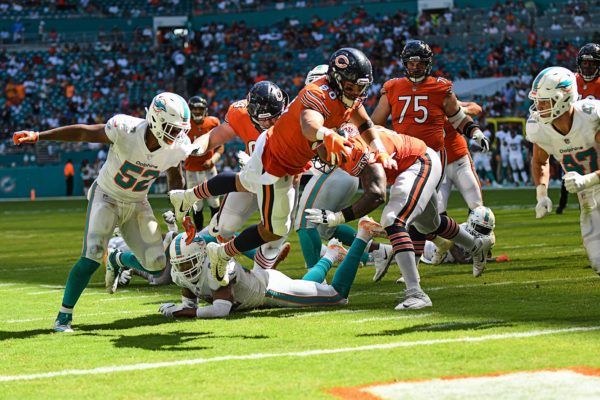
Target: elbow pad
(457, 118)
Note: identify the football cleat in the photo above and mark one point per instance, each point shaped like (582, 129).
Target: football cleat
(182, 201)
(382, 258)
(63, 322)
(441, 250)
(371, 228)
(283, 253)
(113, 271)
(219, 262)
(336, 251)
(414, 300)
(479, 252)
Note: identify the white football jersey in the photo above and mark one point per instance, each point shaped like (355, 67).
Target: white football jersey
(501, 137)
(130, 168)
(514, 144)
(578, 150)
(249, 287)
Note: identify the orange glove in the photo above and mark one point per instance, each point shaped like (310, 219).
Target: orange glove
(334, 144)
(25, 137)
(386, 160)
(190, 229)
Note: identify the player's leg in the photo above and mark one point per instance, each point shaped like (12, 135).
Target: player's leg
(523, 172)
(590, 229)
(235, 211)
(467, 183)
(213, 202)
(514, 167)
(101, 219)
(192, 179)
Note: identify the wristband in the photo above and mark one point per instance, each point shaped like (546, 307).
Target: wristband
(348, 214)
(541, 190)
(215, 158)
(366, 125)
(321, 132)
(377, 145)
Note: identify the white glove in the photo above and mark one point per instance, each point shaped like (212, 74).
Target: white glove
(125, 277)
(544, 204)
(243, 159)
(169, 218)
(482, 141)
(576, 183)
(329, 218)
(197, 150)
(167, 309)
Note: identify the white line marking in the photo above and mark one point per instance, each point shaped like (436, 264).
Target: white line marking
(389, 318)
(14, 321)
(308, 353)
(44, 292)
(310, 314)
(128, 297)
(7, 284)
(508, 283)
(32, 268)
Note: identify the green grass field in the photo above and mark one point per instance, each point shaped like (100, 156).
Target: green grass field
(538, 311)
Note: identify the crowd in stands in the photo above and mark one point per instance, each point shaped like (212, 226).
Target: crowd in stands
(89, 82)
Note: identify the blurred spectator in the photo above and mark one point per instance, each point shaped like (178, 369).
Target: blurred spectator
(69, 176)
(18, 32)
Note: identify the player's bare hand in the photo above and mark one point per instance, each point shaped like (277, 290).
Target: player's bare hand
(25, 137)
(386, 160)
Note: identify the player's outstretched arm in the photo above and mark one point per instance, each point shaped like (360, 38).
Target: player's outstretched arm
(217, 136)
(221, 305)
(368, 131)
(463, 123)
(175, 178)
(382, 111)
(70, 133)
(312, 122)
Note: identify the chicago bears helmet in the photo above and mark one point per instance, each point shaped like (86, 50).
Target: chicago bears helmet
(198, 108)
(317, 72)
(481, 221)
(591, 69)
(419, 51)
(553, 91)
(187, 259)
(266, 102)
(349, 65)
(168, 117)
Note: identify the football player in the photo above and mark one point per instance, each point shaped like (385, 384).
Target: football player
(332, 189)
(241, 289)
(247, 119)
(568, 129)
(285, 150)
(198, 169)
(419, 105)
(514, 143)
(413, 201)
(139, 151)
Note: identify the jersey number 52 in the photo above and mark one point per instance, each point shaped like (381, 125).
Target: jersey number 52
(129, 177)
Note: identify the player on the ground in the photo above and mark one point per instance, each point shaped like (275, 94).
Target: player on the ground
(199, 169)
(285, 151)
(241, 289)
(332, 189)
(413, 201)
(568, 129)
(247, 119)
(139, 151)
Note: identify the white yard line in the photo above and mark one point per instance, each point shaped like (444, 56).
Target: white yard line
(308, 353)
(391, 318)
(508, 283)
(44, 292)
(310, 314)
(14, 321)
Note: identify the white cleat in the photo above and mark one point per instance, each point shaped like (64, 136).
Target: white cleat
(284, 251)
(382, 258)
(182, 201)
(219, 262)
(63, 323)
(441, 250)
(336, 251)
(480, 251)
(371, 228)
(414, 300)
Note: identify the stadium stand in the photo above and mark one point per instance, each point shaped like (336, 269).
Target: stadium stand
(54, 76)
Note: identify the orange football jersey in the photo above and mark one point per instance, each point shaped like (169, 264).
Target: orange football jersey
(588, 90)
(403, 148)
(455, 143)
(238, 118)
(194, 163)
(287, 151)
(417, 110)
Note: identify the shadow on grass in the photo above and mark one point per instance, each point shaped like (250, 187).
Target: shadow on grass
(446, 327)
(174, 341)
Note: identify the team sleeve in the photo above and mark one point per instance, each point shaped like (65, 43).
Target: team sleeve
(113, 127)
(314, 99)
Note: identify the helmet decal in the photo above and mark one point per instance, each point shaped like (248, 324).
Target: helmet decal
(159, 105)
(342, 61)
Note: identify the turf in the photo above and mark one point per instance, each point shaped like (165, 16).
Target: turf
(520, 315)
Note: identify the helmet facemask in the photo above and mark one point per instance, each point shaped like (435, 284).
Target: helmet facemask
(187, 260)
(481, 221)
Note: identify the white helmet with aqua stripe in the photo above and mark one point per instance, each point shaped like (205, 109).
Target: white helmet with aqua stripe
(553, 92)
(481, 221)
(168, 117)
(187, 259)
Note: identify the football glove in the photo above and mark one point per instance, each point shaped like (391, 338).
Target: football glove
(329, 218)
(167, 309)
(181, 200)
(576, 183)
(334, 144)
(544, 204)
(190, 229)
(481, 141)
(243, 159)
(25, 137)
(386, 160)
